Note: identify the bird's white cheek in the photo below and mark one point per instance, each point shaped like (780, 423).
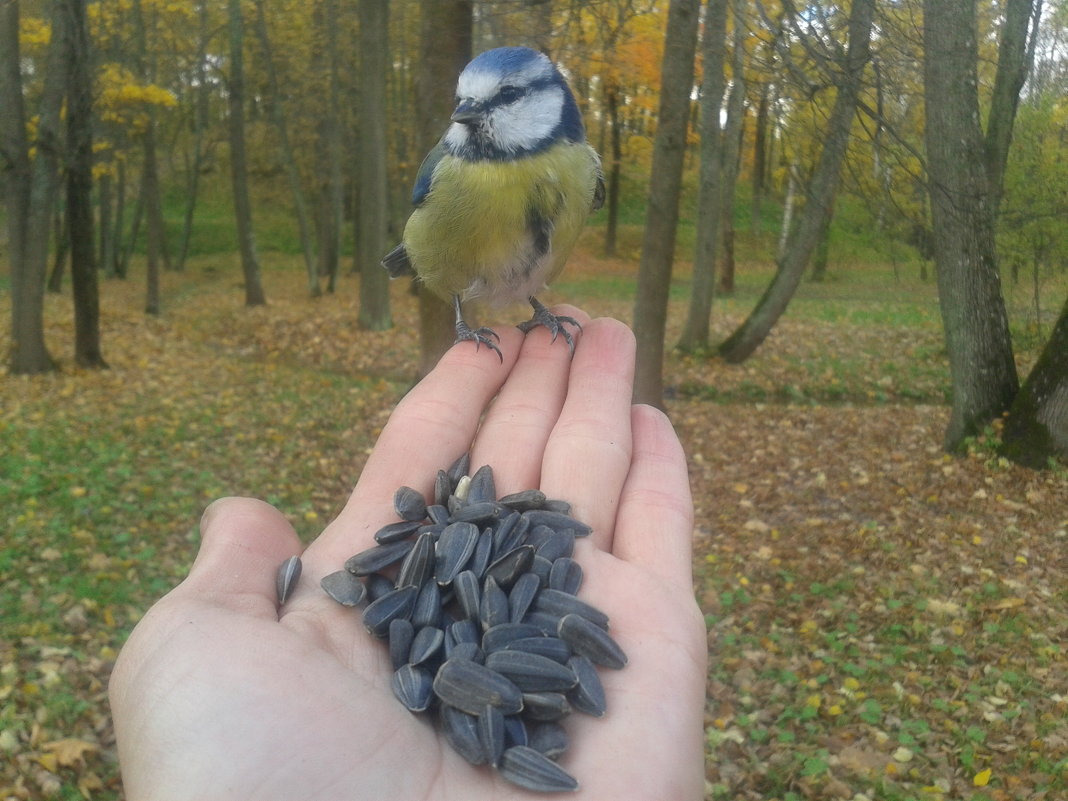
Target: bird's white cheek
(527, 123)
(456, 136)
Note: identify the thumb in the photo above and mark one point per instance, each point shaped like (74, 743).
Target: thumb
(243, 542)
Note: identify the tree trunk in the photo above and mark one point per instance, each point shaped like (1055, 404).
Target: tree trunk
(710, 189)
(445, 46)
(30, 184)
(87, 351)
(1036, 429)
(760, 151)
(1016, 53)
(106, 251)
(61, 237)
(250, 266)
(614, 164)
(982, 369)
(329, 148)
(153, 232)
(823, 249)
(200, 123)
(743, 342)
(732, 144)
(658, 242)
(373, 220)
(289, 160)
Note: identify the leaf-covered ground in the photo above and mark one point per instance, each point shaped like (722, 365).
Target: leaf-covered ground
(885, 622)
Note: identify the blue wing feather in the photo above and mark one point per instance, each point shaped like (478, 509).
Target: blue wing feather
(426, 173)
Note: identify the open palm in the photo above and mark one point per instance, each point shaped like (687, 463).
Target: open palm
(219, 694)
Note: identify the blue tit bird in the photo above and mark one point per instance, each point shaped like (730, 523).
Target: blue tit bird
(501, 199)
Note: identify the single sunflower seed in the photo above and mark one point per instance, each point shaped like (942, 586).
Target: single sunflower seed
(418, 565)
(558, 521)
(550, 647)
(545, 706)
(426, 643)
(401, 634)
(428, 606)
(395, 532)
(521, 596)
(453, 551)
(396, 604)
(532, 770)
(468, 595)
(524, 501)
(491, 733)
(378, 557)
(566, 576)
(414, 687)
(587, 695)
(560, 603)
(531, 673)
(343, 587)
(483, 487)
(493, 610)
(461, 732)
(548, 738)
(591, 641)
(409, 504)
(287, 578)
(498, 637)
(511, 566)
(469, 686)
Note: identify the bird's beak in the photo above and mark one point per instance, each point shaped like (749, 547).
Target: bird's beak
(469, 112)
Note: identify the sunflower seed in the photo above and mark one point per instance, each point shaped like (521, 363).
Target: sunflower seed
(459, 468)
(374, 559)
(427, 642)
(461, 731)
(588, 694)
(545, 706)
(532, 770)
(515, 731)
(521, 596)
(550, 647)
(466, 650)
(442, 490)
(454, 549)
(401, 634)
(465, 631)
(544, 622)
(491, 733)
(480, 559)
(479, 512)
(395, 532)
(409, 504)
(509, 534)
(438, 514)
(556, 505)
(560, 603)
(558, 545)
(566, 576)
(470, 686)
(500, 636)
(343, 587)
(548, 738)
(493, 610)
(414, 687)
(483, 487)
(378, 585)
(531, 673)
(541, 567)
(459, 495)
(511, 566)
(396, 604)
(524, 501)
(287, 578)
(465, 586)
(591, 641)
(418, 565)
(557, 521)
(428, 604)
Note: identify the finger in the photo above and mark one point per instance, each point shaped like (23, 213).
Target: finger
(588, 452)
(243, 542)
(431, 426)
(654, 524)
(513, 434)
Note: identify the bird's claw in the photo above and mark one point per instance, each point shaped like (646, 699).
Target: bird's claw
(555, 324)
(480, 336)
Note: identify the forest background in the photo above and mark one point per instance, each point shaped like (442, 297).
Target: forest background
(840, 553)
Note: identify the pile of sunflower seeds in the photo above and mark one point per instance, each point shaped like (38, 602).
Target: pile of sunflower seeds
(482, 620)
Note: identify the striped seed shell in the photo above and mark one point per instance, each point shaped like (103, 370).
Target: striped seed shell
(483, 487)
(343, 587)
(378, 585)
(521, 596)
(500, 636)
(556, 505)
(426, 643)
(524, 501)
(588, 694)
(396, 604)
(461, 732)
(548, 738)
(566, 575)
(442, 490)
(480, 559)
(468, 595)
(560, 603)
(395, 532)
(532, 770)
(506, 569)
(414, 687)
(375, 558)
(409, 504)
(515, 731)
(491, 733)
(427, 609)
(418, 565)
(541, 567)
(509, 534)
(493, 610)
(470, 686)
(550, 647)
(287, 578)
(545, 706)
(479, 512)
(401, 634)
(453, 551)
(531, 673)
(465, 650)
(557, 520)
(591, 641)
(465, 631)
(438, 513)
(459, 468)
(544, 622)
(556, 546)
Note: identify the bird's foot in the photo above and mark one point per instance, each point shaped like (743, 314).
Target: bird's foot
(554, 322)
(480, 336)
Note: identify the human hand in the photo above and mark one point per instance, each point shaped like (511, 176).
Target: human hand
(220, 694)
